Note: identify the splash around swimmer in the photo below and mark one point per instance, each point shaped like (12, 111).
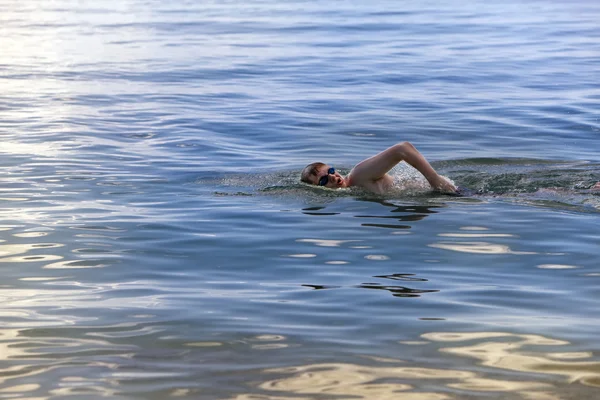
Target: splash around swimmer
(372, 174)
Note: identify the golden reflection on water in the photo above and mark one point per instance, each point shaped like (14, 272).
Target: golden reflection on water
(17, 389)
(541, 374)
(510, 355)
(26, 353)
(14, 249)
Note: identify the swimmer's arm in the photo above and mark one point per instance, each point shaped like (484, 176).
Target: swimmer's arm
(374, 168)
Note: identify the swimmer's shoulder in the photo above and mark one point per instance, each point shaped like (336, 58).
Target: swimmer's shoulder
(379, 186)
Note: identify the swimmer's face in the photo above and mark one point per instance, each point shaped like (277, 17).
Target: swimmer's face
(328, 177)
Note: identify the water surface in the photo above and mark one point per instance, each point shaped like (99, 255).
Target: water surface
(155, 241)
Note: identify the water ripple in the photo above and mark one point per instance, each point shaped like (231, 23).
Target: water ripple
(155, 241)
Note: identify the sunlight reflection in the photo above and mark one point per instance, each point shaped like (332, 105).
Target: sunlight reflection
(505, 354)
(302, 255)
(42, 278)
(556, 266)
(475, 235)
(477, 248)
(499, 350)
(7, 350)
(32, 258)
(377, 257)
(571, 356)
(8, 227)
(326, 243)
(30, 234)
(41, 149)
(18, 389)
(265, 345)
(14, 249)
(74, 264)
(19, 345)
(203, 344)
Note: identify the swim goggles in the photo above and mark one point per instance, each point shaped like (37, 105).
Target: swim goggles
(325, 178)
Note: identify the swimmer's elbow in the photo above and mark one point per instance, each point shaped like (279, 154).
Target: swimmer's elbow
(403, 148)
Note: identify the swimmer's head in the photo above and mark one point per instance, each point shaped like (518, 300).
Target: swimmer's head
(322, 175)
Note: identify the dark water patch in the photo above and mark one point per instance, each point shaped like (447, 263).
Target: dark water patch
(397, 291)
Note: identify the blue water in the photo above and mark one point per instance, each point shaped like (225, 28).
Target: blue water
(155, 241)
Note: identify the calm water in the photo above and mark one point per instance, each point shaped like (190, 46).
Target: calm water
(155, 241)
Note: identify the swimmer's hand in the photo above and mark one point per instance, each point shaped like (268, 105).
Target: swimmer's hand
(444, 186)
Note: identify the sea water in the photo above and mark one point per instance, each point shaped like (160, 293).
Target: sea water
(155, 241)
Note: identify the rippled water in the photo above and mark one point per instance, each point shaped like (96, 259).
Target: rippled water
(155, 241)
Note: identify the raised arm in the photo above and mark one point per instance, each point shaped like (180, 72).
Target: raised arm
(374, 168)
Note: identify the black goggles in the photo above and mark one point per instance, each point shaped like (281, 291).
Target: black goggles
(325, 178)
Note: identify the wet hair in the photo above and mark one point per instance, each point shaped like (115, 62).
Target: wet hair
(310, 170)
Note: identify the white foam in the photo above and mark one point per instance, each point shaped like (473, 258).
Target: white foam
(407, 180)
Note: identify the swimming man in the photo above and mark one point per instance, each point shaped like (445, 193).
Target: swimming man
(372, 174)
